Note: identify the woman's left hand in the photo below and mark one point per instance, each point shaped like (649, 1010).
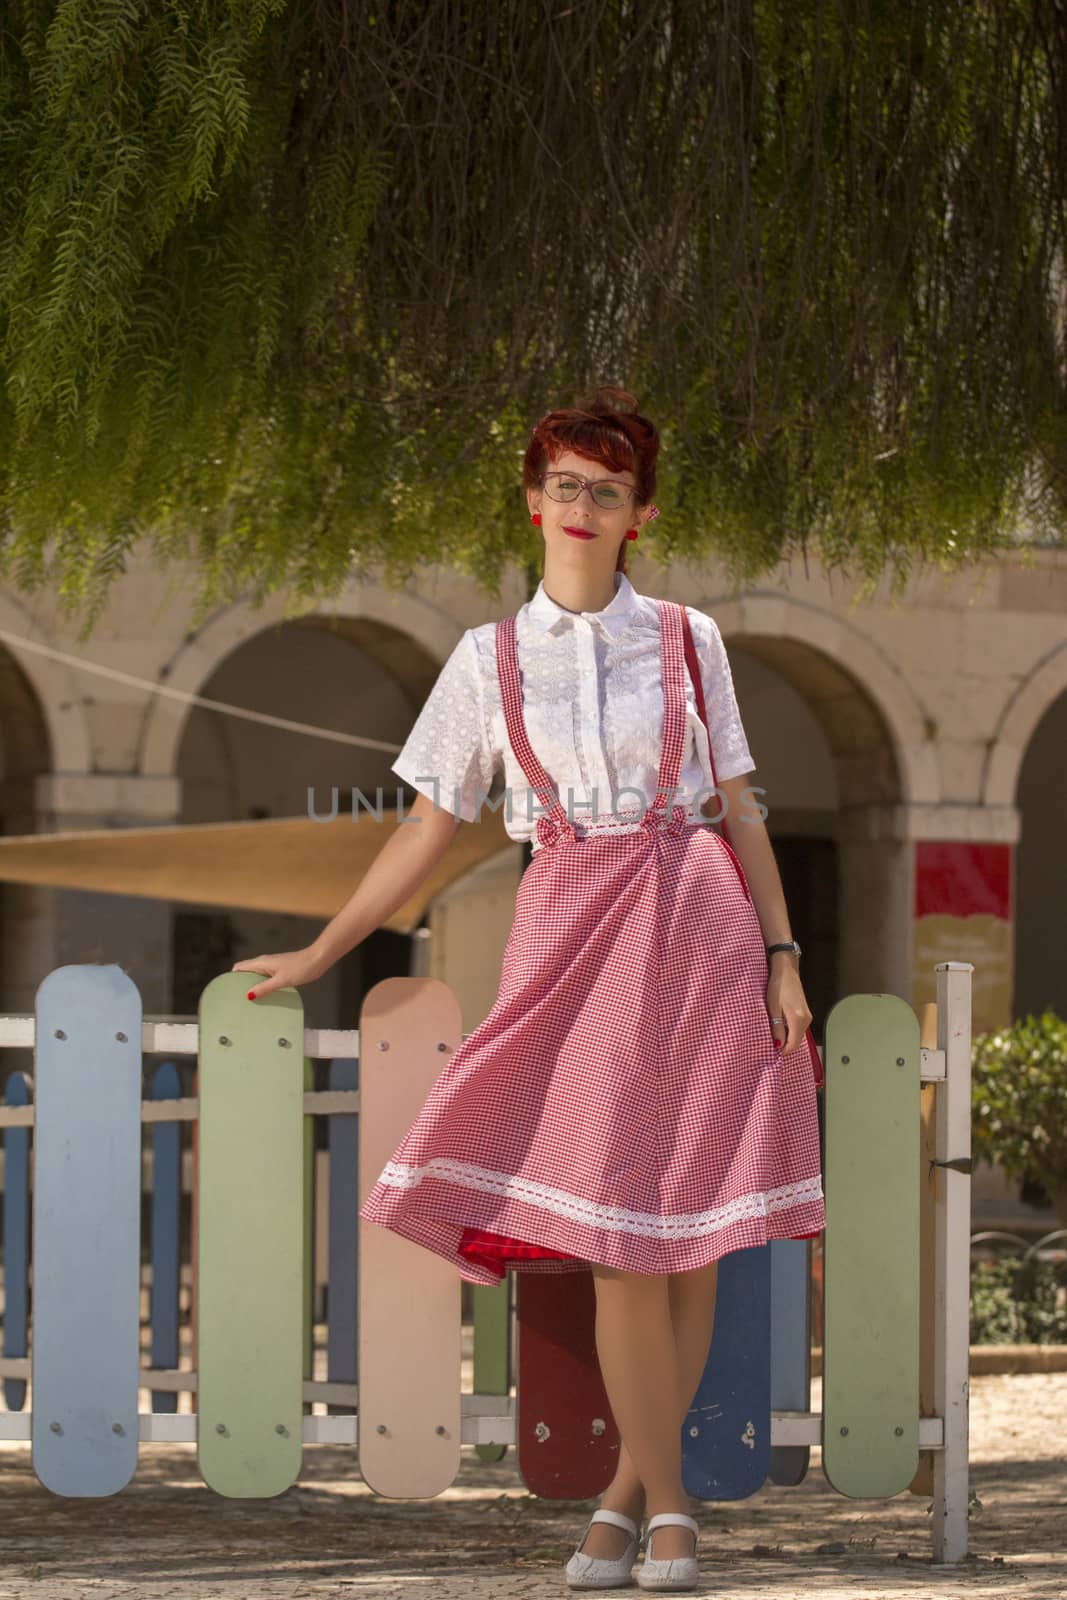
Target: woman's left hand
(786, 1002)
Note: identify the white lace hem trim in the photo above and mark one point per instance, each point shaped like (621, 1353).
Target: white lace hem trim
(613, 1219)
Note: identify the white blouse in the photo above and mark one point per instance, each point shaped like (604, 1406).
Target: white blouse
(593, 708)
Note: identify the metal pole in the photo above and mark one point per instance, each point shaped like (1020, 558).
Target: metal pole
(952, 1257)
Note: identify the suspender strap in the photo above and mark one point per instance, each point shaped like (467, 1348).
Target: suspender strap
(698, 690)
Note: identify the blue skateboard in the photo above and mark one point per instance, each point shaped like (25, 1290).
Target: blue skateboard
(726, 1436)
(87, 1231)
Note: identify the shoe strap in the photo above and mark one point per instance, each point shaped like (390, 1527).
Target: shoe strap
(674, 1519)
(617, 1519)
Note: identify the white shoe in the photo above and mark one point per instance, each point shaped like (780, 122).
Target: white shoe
(596, 1572)
(677, 1572)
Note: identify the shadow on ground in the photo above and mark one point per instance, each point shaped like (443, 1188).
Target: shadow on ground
(167, 1535)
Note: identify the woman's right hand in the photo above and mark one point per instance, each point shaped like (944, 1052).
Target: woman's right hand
(287, 970)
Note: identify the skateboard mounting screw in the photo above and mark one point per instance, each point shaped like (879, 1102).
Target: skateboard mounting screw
(844, 1431)
(442, 1046)
(598, 1426)
(116, 1427)
(383, 1044)
(220, 1427)
(440, 1428)
(382, 1428)
(60, 1034)
(693, 1432)
(900, 1061)
(279, 1427)
(55, 1427)
(223, 1039)
(542, 1432)
(898, 1432)
(121, 1037)
(845, 1060)
(284, 1043)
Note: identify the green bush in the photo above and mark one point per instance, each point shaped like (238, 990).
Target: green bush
(1013, 1302)
(1019, 1104)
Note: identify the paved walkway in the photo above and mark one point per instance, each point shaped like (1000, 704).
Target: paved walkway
(166, 1537)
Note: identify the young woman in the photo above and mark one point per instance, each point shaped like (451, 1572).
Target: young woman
(638, 1102)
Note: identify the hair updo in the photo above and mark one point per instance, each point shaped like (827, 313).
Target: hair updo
(605, 426)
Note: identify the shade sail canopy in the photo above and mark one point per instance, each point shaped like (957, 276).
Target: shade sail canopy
(288, 864)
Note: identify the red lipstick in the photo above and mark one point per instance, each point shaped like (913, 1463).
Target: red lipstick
(579, 533)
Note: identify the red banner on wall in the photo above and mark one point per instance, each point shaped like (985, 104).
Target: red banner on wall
(963, 912)
(959, 879)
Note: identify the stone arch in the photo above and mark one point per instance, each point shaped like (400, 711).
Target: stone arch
(43, 731)
(405, 634)
(880, 741)
(856, 690)
(1017, 723)
(49, 731)
(363, 666)
(1036, 781)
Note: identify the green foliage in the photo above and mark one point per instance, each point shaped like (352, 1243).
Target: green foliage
(1019, 1103)
(284, 287)
(1019, 1302)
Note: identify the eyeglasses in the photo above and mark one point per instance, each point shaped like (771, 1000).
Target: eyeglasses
(607, 493)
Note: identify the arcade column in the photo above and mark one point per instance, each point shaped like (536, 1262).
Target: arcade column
(874, 900)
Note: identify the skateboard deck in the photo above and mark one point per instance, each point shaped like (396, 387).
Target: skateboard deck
(922, 1482)
(410, 1333)
(342, 1237)
(871, 1284)
(491, 1312)
(16, 1144)
(86, 1235)
(250, 1244)
(194, 1228)
(568, 1444)
(726, 1436)
(308, 1367)
(166, 1202)
(790, 1349)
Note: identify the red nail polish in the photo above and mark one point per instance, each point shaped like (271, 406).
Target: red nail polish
(250, 995)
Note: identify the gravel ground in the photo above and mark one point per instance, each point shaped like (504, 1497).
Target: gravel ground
(166, 1537)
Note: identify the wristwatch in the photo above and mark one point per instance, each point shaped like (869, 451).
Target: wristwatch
(792, 945)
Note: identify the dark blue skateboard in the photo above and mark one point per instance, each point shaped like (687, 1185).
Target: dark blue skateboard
(726, 1436)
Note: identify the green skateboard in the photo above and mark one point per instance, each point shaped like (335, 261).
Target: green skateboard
(250, 1239)
(871, 1283)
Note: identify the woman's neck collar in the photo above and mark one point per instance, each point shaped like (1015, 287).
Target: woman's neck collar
(575, 592)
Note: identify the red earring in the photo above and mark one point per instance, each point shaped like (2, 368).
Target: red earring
(536, 519)
(631, 533)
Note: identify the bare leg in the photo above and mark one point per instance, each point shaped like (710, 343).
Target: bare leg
(653, 1336)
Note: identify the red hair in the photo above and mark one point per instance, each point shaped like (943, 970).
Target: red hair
(606, 427)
